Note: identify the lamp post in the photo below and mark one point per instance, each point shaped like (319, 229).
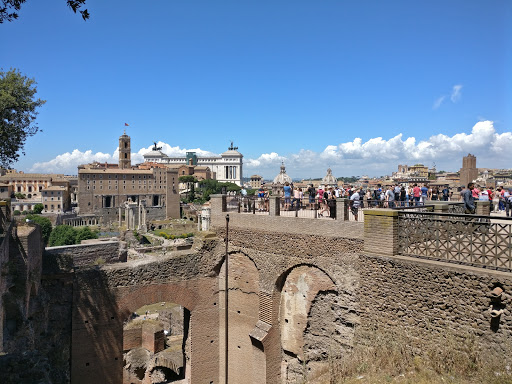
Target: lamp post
(226, 299)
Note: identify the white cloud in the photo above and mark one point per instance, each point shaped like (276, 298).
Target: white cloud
(438, 102)
(376, 156)
(456, 93)
(68, 162)
(454, 96)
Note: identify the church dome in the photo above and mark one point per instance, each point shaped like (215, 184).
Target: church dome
(329, 179)
(282, 177)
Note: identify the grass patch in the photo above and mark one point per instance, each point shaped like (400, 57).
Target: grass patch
(384, 357)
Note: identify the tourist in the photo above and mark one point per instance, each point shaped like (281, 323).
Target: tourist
(397, 192)
(331, 203)
(416, 191)
(446, 193)
(469, 199)
(424, 194)
(261, 199)
(475, 191)
(376, 197)
(287, 191)
(435, 193)
(507, 196)
(390, 197)
(484, 195)
(354, 204)
(312, 195)
(499, 194)
(461, 193)
(296, 198)
(403, 196)
(322, 201)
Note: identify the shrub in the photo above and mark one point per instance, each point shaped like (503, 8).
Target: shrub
(38, 208)
(63, 235)
(16, 212)
(85, 233)
(24, 213)
(45, 224)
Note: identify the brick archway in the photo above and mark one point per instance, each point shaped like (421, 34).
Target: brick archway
(99, 311)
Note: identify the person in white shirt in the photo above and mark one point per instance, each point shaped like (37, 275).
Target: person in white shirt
(354, 203)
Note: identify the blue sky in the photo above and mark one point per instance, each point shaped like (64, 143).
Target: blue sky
(311, 83)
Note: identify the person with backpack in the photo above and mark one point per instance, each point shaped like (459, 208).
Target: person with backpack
(446, 193)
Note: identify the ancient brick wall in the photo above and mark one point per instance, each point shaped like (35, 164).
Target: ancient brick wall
(105, 297)
(432, 301)
(297, 225)
(89, 254)
(132, 338)
(152, 339)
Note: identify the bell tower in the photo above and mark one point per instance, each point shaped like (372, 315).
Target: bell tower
(124, 151)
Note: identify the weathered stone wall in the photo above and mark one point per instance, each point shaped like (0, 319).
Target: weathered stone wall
(90, 254)
(37, 321)
(297, 225)
(433, 301)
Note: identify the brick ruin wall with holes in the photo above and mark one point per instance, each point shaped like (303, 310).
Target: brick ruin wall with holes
(397, 295)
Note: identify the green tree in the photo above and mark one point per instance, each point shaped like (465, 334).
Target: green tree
(45, 224)
(62, 235)
(38, 208)
(17, 114)
(9, 9)
(85, 233)
(20, 195)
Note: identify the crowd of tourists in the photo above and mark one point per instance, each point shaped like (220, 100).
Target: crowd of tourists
(324, 198)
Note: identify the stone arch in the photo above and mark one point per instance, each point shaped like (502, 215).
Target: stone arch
(100, 310)
(302, 289)
(243, 311)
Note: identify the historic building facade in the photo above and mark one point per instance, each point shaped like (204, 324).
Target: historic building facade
(104, 188)
(228, 167)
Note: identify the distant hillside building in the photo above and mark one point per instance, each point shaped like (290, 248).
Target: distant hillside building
(469, 171)
(225, 168)
(32, 185)
(256, 181)
(103, 189)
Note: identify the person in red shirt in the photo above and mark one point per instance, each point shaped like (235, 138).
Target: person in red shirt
(416, 191)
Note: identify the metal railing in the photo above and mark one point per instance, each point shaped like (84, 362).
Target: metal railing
(248, 204)
(317, 208)
(473, 240)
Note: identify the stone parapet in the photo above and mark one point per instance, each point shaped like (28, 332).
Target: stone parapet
(483, 208)
(275, 205)
(218, 204)
(342, 208)
(381, 232)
